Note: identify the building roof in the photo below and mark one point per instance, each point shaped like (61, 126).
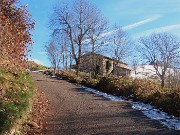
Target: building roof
(100, 55)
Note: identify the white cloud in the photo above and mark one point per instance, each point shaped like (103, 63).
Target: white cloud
(131, 26)
(128, 27)
(37, 61)
(107, 33)
(157, 30)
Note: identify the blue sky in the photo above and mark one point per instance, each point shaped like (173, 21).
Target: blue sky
(137, 17)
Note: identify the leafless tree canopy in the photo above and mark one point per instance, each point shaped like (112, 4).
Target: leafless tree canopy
(62, 42)
(95, 37)
(121, 44)
(80, 21)
(161, 50)
(52, 51)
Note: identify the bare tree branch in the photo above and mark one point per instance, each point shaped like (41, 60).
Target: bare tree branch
(160, 49)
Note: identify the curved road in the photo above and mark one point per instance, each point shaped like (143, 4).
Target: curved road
(76, 112)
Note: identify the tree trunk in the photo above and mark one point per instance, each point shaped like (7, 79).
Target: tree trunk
(63, 58)
(54, 71)
(78, 61)
(162, 81)
(93, 60)
(66, 61)
(77, 68)
(70, 60)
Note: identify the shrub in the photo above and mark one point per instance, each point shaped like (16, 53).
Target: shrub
(48, 72)
(15, 36)
(90, 82)
(75, 79)
(116, 85)
(143, 88)
(168, 101)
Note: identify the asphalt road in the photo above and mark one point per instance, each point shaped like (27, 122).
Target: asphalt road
(76, 112)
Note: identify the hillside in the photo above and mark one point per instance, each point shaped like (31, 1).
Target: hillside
(33, 66)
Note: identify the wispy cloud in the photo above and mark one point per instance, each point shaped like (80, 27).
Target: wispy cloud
(157, 30)
(136, 24)
(128, 27)
(131, 26)
(107, 33)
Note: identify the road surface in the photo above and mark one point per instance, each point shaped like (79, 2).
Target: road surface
(76, 112)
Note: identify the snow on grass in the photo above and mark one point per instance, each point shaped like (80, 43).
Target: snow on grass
(148, 110)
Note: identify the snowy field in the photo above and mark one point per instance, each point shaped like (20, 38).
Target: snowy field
(148, 71)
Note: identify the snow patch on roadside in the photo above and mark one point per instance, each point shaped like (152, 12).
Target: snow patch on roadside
(36, 71)
(108, 96)
(148, 110)
(155, 114)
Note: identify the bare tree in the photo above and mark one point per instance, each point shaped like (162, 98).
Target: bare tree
(61, 39)
(95, 34)
(120, 44)
(95, 37)
(76, 20)
(135, 66)
(173, 77)
(53, 54)
(160, 49)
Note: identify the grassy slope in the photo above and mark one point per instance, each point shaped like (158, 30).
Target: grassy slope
(16, 92)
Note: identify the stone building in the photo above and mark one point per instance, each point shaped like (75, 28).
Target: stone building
(103, 65)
